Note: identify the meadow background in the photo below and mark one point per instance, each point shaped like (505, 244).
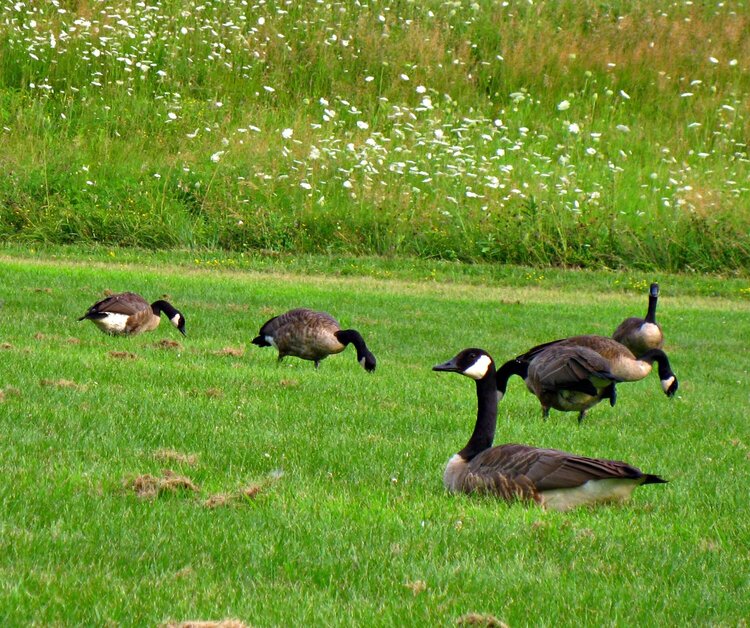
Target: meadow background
(579, 133)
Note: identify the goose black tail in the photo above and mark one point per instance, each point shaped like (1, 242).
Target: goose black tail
(654, 479)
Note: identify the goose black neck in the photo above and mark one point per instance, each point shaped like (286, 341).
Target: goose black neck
(157, 307)
(651, 314)
(661, 359)
(484, 430)
(352, 336)
(511, 367)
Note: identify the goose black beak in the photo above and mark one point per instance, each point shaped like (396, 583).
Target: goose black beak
(450, 366)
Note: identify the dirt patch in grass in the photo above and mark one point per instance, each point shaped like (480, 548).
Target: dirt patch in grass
(170, 455)
(222, 623)
(148, 486)
(214, 393)
(122, 355)
(6, 345)
(167, 344)
(73, 341)
(230, 351)
(289, 383)
(480, 619)
(39, 336)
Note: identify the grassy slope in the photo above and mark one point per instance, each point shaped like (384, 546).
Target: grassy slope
(359, 520)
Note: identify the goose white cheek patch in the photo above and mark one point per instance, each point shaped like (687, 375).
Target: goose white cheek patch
(666, 383)
(175, 320)
(479, 369)
(270, 341)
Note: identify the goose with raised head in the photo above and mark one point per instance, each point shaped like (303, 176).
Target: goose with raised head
(311, 336)
(622, 363)
(642, 334)
(571, 379)
(128, 313)
(552, 478)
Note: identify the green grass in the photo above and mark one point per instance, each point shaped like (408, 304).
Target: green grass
(572, 133)
(358, 529)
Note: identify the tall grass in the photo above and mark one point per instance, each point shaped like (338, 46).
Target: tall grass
(554, 133)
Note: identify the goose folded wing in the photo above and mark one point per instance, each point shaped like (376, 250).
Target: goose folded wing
(548, 469)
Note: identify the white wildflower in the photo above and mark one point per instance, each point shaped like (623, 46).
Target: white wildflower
(287, 133)
(563, 105)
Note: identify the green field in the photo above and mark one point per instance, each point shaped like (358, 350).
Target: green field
(577, 133)
(316, 497)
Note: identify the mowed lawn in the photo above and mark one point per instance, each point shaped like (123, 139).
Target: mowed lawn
(316, 498)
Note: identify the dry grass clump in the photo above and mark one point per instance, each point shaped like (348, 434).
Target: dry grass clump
(230, 351)
(480, 619)
(61, 383)
(248, 492)
(167, 344)
(6, 345)
(123, 355)
(226, 499)
(416, 587)
(148, 486)
(171, 455)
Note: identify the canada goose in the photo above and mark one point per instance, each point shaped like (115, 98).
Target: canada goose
(555, 479)
(622, 363)
(564, 378)
(311, 336)
(128, 313)
(642, 334)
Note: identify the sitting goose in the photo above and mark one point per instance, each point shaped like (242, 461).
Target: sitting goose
(312, 336)
(554, 479)
(564, 378)
(642, 334)
(128, 313)
(622, 363)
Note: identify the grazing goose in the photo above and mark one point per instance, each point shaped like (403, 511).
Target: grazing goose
(311, 336)
(564, 378)
(642, 334)
(552, 478)
(129, 313)
(622, 363)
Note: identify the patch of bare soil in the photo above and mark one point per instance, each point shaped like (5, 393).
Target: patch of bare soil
(6, 345)
(148, 486)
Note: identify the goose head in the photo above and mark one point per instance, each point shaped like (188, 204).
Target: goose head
(178, 320)
(473, 363)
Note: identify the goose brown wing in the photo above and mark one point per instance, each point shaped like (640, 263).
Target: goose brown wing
(124, 303)
(547, 469)
(569, 368)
